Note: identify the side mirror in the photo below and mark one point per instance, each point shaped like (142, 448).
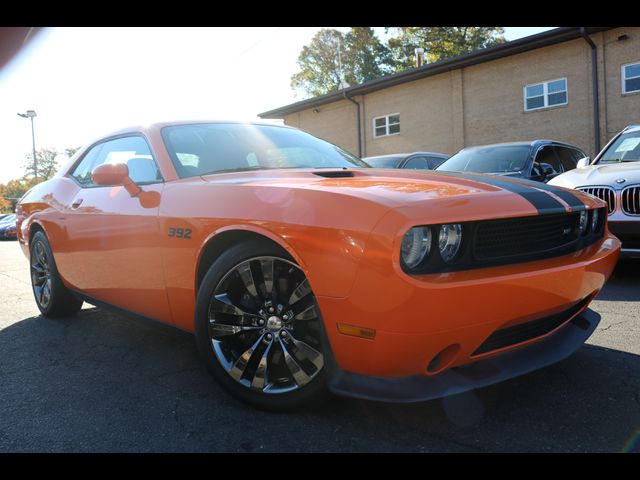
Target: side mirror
(115, 174)
(583, 162)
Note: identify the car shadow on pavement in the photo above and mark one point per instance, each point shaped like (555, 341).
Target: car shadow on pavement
(624, 283)
(100, 382)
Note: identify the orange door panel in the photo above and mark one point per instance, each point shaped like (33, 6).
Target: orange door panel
(113, 250)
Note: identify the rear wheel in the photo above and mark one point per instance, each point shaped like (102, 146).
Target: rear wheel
(52, 297)
(258, 327)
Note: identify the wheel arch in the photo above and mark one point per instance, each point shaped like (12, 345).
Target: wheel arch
(220, 240)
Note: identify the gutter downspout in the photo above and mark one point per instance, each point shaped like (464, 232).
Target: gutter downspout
(357, 123)
(594, 81)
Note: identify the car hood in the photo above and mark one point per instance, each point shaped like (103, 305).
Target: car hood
(606, 174)
(464, 196)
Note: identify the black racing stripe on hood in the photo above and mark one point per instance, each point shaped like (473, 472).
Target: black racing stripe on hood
(574, 202)
(541, 201)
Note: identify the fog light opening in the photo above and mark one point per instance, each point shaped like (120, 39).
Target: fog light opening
(443, 359)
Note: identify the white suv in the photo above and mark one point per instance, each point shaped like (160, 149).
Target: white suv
(614, 176)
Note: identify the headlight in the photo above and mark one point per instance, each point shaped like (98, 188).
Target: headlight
(583, 222)
(415, 246)
(594, 220)
(449, 240)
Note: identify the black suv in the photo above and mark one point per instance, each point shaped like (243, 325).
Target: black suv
(539, 160)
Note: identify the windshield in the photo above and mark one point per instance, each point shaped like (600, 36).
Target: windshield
(202, 149)
(494, 159)
(626, 148)
(384, 162)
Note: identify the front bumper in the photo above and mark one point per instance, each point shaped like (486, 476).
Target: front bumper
(426, 325)
(488, 371)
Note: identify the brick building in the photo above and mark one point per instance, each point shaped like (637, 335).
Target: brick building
(541, 86)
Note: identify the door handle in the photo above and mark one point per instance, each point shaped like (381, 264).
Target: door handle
(76, 203)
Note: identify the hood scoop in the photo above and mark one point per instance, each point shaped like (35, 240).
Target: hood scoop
(334, 174)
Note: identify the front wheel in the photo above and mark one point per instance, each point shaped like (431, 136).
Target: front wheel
(258, 328)
(52, 297)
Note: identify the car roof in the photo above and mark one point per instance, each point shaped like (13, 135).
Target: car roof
(160, 125)
(631, 128)
(398, 155)
(530, 143)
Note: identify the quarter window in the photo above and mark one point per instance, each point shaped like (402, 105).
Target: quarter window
(387, 125)
(631, 78)
(545, 94)
(132, 151)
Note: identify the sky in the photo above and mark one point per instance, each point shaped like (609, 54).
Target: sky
(86, 82)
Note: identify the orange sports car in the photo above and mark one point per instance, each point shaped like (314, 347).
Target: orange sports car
(301, 270)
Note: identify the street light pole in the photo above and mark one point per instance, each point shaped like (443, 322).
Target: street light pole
(30, 115)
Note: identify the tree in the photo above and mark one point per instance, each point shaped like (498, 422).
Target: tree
(5, 205)
(13, 191)
(46, 163)
(70, 152)
(439, 42)
(366, 58)
(359, 52)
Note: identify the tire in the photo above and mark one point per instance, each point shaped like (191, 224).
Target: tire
(53, 299)
(242, 342)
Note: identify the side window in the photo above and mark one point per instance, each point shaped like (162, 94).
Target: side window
(132, 151)
(82, 172)
(567, 157)
(546, 155)
(577, 155)
(417, 163)
(435, 162)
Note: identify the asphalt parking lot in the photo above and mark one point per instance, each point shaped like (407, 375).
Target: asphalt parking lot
(101, 382)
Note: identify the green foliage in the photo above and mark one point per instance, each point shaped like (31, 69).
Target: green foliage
(365, 58)
(11, 193)
(47, 168)
(362, 55)
(45, 162)
(440, 42)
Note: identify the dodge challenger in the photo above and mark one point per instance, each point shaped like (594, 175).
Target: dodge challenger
(301, 270)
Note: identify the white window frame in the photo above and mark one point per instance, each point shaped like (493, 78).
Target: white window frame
(545, 94)
(624, 79)
(386, 125)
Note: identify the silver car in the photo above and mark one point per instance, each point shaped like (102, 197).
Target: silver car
(614, 176)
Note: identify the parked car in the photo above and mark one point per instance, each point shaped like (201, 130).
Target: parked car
(8, 227)
(4, 215)
(300, 269)
(614, 176)
(412, 161)
(539, 160)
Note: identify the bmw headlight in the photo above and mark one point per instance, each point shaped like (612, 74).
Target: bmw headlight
(583, 222)
(415, 246)
(594, 220)
(449, 240)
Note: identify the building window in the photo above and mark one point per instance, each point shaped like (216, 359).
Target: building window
(545, 94)
(631, 78)
(387, 125)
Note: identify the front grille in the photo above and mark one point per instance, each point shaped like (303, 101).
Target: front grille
(510, 237)
(606, 194)
(505, 337)
(630, 200)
